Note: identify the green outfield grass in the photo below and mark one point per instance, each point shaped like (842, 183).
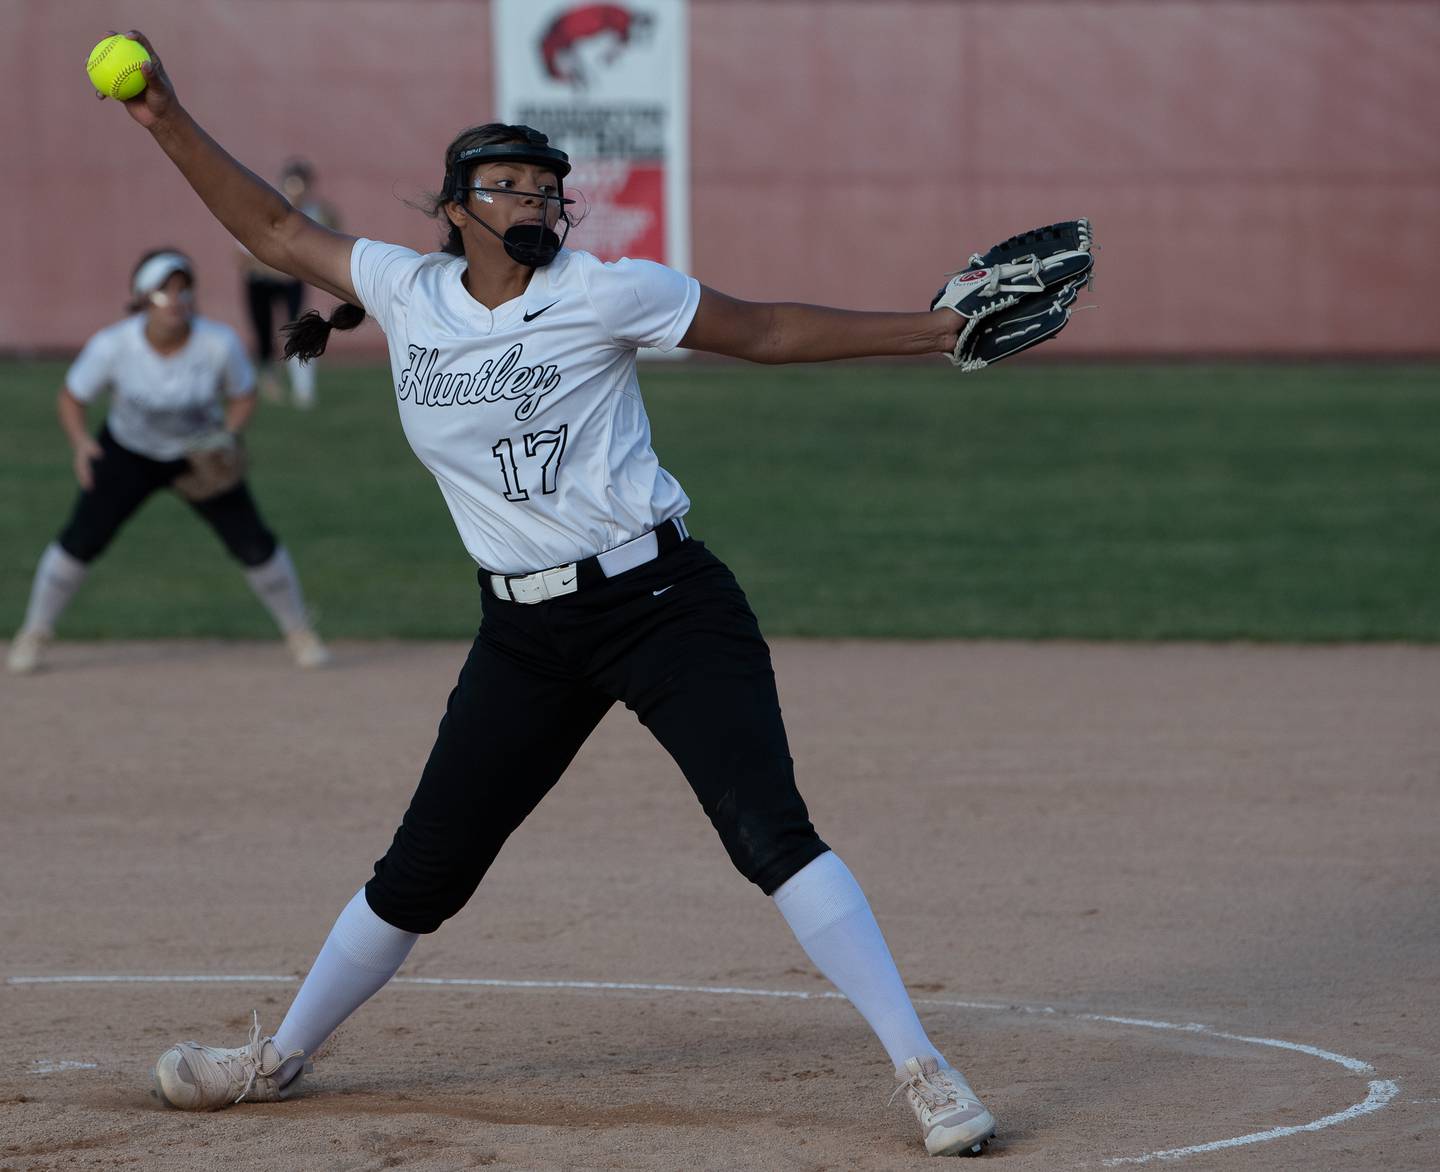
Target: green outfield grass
(1032, 501)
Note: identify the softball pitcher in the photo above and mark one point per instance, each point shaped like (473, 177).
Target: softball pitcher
(515, 380)
(181, 392)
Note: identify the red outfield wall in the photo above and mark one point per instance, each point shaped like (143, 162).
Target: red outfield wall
(1236, 158)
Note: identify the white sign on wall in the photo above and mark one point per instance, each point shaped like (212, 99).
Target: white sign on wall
(608, 83)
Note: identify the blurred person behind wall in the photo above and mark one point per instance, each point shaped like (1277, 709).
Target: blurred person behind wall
(265, 287)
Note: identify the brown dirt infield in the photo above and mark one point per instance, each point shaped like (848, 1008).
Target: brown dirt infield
(1240, 837)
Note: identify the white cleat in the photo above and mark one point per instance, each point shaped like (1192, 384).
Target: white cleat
(306, 648)
(26, 651)
(193, 1077)
(954, 1121)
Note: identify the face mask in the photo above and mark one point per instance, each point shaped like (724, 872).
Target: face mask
(531, 245)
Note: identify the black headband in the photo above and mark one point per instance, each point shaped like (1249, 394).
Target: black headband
(548, 157)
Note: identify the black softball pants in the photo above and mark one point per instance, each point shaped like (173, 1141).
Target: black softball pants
(122, 480)
(676, 642)
(261, 293)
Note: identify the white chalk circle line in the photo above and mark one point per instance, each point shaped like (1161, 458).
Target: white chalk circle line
(1380, 1092)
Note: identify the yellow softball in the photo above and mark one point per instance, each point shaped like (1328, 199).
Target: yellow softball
(114, 67)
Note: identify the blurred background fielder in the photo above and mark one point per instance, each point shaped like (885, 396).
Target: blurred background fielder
(182, 392)
(266, 287)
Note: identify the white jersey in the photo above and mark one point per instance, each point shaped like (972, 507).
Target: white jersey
(529, 416)
(161, 402)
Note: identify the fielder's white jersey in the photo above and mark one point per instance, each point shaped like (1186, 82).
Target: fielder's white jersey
(161, 402)
(529, 416)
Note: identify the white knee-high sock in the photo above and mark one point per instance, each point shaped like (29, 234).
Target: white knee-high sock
(277, 585)
(57, 577)
(359, 956)
(302, 381)
(831, 918)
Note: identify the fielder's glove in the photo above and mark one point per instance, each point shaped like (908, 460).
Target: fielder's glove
(216, 465)
(1019, 293)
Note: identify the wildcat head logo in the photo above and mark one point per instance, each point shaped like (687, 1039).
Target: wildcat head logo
(582, 41)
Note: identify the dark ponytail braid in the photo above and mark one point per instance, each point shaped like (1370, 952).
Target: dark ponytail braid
(307, 336)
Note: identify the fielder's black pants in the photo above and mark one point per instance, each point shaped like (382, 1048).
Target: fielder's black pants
(689, 661)
(122, 480)
(261, 293)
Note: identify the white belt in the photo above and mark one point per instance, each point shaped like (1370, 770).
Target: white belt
(559, 581)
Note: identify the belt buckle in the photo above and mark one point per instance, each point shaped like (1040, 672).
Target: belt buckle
(526, 588)
(544, 584)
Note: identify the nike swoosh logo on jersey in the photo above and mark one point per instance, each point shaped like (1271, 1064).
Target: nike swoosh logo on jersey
(657, 593)
(538, 312)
